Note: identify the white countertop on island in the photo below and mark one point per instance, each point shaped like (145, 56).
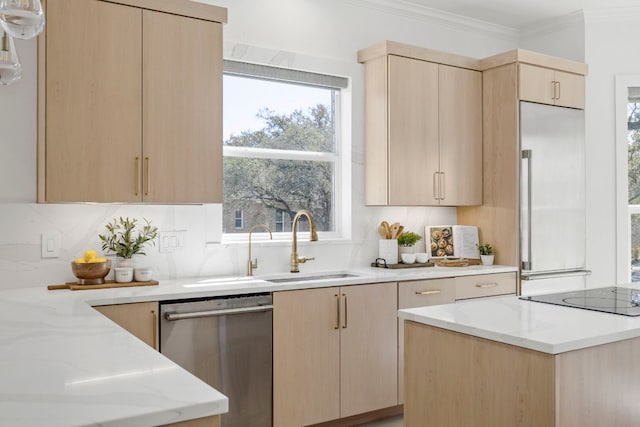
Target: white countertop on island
(536, 326)
(64, 364)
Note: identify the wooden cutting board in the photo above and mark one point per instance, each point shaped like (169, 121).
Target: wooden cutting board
(74, 286)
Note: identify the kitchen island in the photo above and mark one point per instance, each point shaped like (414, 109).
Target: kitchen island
(508, 362)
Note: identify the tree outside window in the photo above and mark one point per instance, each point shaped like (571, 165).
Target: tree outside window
(285, 159)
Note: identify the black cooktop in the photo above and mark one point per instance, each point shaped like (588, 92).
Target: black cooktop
(616, 300)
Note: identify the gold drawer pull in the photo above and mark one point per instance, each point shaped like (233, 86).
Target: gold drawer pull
(435, 291)
(148, 176)
(486, 285)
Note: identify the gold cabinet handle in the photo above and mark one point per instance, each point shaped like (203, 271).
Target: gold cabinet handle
(147, 188)
(431, 292)
(337, 312)
(137, 175)
(436, 187)
(154, 325)
(558, 95)
(345, 312)
(442, 187)
(553, 89)
(486, 285)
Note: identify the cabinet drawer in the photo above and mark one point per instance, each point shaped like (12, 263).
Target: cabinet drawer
(420, 293)
(485, 285)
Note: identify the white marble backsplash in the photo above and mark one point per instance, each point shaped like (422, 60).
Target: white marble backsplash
(22, 225)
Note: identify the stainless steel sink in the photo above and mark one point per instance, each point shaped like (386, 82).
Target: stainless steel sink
(312, 278)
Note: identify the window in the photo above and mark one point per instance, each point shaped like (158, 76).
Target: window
(239, 219)
(281, 133)
(628, 178)
(279, 221)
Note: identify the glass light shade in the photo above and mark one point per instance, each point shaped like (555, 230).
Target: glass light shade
(10, 68)
(22, 19)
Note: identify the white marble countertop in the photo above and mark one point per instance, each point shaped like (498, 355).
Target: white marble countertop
(536, 326)
(64, 364)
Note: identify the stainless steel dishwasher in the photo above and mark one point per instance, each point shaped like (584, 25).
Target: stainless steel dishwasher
(226, 342)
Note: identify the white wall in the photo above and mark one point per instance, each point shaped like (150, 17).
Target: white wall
(562, 37)
(308, 34)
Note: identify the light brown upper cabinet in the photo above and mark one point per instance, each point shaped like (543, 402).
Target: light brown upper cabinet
(130, 102)
(549, 86)
(423, 127)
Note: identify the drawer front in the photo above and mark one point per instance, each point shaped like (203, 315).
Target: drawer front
(420, 293)
(485, 285)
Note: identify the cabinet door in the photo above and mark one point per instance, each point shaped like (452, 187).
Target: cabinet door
(140, 319)
(182, 135)
(460, 126)
(413, 131)
(570, 92)
(420, 293)
(368, 348)
(306, 357)
(93, 106)
(536, 84)
(547, 86)
(485, 285)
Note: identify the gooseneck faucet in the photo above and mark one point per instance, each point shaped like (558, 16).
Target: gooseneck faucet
(254, 264)
(295, 259)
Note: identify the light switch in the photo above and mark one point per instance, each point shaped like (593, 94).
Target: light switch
(171, 241)
(50, 244)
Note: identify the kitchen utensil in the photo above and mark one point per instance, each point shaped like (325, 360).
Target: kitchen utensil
(400, 230)
(382, 231)
(387, 228)
(395, 227)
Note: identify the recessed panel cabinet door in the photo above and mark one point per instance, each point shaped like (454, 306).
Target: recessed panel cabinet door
(93, 105)
(182, 75)
(413, 131)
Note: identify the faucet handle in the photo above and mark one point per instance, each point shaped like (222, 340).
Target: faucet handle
(304, 259)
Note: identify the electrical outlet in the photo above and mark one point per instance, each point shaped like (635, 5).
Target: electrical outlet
(171, 241)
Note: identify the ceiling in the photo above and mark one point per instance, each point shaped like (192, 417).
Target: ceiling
(518, 14)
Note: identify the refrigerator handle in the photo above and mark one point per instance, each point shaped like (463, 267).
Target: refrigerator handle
(527, 155)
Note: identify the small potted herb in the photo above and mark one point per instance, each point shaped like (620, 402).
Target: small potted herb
(124, 240)
(407, 240)
(486, 253)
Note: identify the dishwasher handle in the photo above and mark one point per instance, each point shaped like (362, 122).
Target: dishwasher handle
(212, 313)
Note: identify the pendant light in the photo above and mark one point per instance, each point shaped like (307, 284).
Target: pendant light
(10, 68)
(22, 19)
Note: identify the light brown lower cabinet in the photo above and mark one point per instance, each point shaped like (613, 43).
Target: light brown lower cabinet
(455, 379)
(140, 319)
(334, 352)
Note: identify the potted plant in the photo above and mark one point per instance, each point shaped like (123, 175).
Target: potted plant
(407, 241)
(124, 240)
(486, 253)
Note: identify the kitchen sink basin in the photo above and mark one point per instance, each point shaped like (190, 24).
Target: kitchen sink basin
(312, 278)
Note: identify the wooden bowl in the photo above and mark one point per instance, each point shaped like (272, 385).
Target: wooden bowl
(91, 273)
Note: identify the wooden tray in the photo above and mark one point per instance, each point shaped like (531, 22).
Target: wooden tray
(414, 265)
(460, 262)
(74, 286)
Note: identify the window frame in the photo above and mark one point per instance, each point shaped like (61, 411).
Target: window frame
(341, 157)
(623, 209)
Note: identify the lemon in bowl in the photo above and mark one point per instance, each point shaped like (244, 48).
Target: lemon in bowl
(90, 269)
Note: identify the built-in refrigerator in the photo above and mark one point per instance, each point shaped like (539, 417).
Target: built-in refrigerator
(552, 198)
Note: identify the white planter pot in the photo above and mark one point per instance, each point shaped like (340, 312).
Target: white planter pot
(487, 259)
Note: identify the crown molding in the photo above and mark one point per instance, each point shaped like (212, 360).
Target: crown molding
(631, 13)
(410, 9)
